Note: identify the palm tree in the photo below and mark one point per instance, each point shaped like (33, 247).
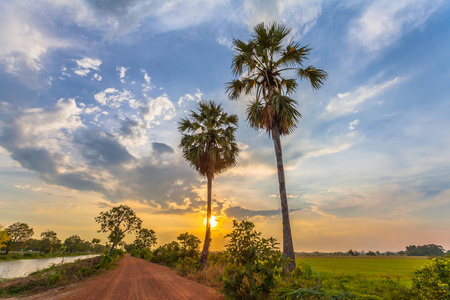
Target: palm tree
(260, 65)
(208, 144)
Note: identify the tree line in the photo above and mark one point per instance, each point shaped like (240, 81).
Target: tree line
(18, 237)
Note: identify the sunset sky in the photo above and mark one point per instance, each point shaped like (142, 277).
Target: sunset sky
(91, 92)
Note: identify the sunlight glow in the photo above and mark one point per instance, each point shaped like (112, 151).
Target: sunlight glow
(213, 221)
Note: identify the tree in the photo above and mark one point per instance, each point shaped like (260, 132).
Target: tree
(75, 244)
(425, 250)
(209, 145)
(49, 241)
(4, 237)
(145, 238)
(118, 221)
(189, 244)
(260, 65)
(19, 234)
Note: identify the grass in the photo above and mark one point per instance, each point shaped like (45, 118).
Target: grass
(370, 268)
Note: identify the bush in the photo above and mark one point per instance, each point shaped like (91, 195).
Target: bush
(433, 281)
(256, 264)
(187, 266)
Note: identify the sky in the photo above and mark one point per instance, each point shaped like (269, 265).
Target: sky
(91, 92)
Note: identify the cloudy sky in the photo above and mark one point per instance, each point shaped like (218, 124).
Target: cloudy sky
(91, 92)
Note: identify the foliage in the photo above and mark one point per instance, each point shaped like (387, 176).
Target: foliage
(425, 250)
(4, 237)
(75, 244)
(189, 245)
(256, 264)
(49, 241)
(118, 221)
(168, 254)
(19, 234)
(432, 281)
(145, 238)
(209, 145)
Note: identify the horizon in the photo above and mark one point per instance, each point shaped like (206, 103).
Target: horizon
(90, 97)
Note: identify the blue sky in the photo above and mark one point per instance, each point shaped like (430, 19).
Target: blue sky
(91, 93)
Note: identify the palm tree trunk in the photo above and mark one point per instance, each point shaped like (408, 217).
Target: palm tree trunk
(288, 246)
(207, 242)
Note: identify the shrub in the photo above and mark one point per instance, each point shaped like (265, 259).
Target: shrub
(256, 264)
(433, 281)
(187, 266)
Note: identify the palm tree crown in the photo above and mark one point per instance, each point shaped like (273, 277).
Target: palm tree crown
(208, 141)
(260, 63)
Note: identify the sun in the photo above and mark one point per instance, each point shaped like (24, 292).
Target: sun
(213, 221)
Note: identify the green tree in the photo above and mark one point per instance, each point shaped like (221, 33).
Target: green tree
(425, 250)
(260, 65)
(4, 237)
(189, 244)
(75, 244)
(118, 221)
(209, 145)
(19, 234)
(49, 241)
(145, 238)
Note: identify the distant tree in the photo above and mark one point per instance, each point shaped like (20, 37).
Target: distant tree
(145, 238)
(189, 244)
(118, 221)
(261, 65)
(49, 241)
(425, 250)
(371, 253)
(209, 145)
(96, 245)
(75, 244)
(19, 234)
(4, 237)
(353, 253)
(129, 247)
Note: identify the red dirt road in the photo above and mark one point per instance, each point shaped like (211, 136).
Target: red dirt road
(134, 279)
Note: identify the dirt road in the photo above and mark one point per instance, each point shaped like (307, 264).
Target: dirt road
(134, 279)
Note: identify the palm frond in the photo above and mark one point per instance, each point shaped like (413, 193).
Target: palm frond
(316, 76)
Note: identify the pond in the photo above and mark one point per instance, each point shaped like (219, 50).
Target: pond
(22, 268)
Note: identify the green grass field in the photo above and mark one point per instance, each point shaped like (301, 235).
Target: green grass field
(367, 268)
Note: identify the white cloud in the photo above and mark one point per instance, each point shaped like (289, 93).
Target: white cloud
(97, 77)
(384, 21)
(352, 124)
(345, 103)
(299, 15)
(86, 65)
(114, 98)
(147, 85)
(122, 72)
(224, 41)
(23, 42)
(159, 108)
(188, 97)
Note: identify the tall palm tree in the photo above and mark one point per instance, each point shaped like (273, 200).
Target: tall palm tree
(260, 65)
(209, 145)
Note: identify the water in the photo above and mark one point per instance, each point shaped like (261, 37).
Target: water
(22, 268)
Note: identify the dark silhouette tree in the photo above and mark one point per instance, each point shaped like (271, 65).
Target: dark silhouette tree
(208, 143)
(260, 65)
(118, 221)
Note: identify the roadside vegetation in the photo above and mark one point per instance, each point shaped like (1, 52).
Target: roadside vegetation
(253, 267)
(60, 274)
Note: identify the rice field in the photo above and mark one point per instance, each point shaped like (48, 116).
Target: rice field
(399, 268)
